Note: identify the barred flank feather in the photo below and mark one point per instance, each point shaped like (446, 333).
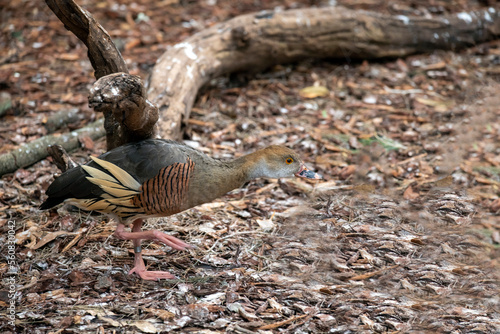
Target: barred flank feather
(165, 193)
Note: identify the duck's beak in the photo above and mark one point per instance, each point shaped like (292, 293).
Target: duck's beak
(308, 174)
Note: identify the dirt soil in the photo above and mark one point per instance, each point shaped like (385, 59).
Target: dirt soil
(403, 235)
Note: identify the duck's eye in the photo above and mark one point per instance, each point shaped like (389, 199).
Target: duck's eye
(289, 160)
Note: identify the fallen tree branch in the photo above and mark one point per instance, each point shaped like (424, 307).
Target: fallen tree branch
(254, 42)
(35, 151)
(61, 118)
(257, 41)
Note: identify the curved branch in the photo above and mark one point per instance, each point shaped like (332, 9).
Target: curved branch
(257, 41)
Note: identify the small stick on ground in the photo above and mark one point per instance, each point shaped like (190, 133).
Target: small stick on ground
(61, 158)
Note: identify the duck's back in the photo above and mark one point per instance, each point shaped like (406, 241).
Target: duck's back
(146, 163)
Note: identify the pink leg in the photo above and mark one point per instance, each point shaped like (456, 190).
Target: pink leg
(154, 235)
(136, 235)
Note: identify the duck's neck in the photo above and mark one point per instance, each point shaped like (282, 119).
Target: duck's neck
(250, 166)
(215, 178)
(240, 170)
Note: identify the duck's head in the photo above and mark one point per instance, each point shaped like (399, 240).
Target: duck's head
(278, 161)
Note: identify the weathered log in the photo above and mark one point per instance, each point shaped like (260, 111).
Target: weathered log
(254, 42)
(35, 151)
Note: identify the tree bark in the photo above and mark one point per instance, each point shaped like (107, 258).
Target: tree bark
(257, 41)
